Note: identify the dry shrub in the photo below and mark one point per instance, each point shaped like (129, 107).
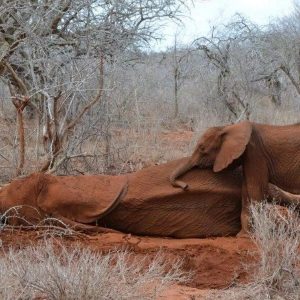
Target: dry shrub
(276, 274)
(14, 219)
(49, 272)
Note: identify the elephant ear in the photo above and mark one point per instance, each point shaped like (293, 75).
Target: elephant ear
(234, 141)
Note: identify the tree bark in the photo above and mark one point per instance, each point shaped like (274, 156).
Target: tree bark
(20, 104)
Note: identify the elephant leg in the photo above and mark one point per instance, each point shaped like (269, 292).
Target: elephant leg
(254, 188)
(244, 232)
(273, 193)
(282, 197)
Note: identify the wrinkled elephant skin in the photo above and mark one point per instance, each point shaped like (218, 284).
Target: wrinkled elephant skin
(75, 200)
(267, 153)
(142, 203)
(211, 206)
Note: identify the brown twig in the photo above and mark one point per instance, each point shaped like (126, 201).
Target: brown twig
(97, 98)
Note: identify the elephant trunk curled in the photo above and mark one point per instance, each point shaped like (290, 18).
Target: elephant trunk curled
(182, 169)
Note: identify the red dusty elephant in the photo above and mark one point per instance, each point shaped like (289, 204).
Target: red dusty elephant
(268, 154)
(142, 203)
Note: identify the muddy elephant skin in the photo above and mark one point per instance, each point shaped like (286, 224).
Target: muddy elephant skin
(141, 203)
(268, 154)
(75, 200)
(211, 206)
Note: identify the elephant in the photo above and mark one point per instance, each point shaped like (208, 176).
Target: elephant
(267, 153)
(77, 201)
(140, 203)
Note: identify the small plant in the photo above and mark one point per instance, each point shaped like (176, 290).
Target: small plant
(47, 226)
(276, 274)
(52, 271)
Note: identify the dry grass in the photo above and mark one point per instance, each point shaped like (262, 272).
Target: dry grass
(131, 141)
(46, 226)
(276, 274)
(49, 272)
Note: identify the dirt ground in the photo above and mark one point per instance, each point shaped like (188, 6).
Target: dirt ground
(216, 263)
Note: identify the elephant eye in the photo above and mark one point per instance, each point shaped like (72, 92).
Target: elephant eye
(202, 149)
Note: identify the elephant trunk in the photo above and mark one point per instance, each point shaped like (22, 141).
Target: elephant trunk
(182, 169)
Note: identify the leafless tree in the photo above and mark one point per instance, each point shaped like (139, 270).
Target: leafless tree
(220, 49)
(180, 64)
(49, 54)
(278, 59)
(96, 101)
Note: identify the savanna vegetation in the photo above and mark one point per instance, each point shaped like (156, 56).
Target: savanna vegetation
(81, 91)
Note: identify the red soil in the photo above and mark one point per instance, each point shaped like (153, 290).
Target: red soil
(216, 262)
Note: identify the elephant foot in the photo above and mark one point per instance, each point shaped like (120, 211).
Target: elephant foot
(243, 234)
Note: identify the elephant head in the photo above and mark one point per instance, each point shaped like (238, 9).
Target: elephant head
(217, 149)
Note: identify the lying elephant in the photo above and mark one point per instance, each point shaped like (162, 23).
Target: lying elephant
(142, 203)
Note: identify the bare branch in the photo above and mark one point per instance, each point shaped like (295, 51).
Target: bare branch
(96, 99)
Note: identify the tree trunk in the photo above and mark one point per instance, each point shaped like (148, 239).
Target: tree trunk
(176, 92)
(20, 104)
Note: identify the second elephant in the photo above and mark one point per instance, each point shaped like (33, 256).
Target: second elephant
(268, 154)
